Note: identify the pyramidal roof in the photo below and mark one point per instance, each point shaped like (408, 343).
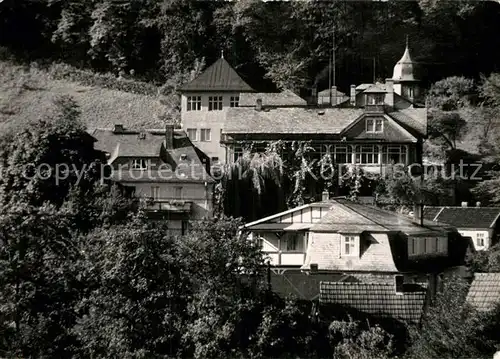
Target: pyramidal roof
(219, 76)
(404, 68)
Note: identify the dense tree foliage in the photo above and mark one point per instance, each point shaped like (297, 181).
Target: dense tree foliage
(289, 43)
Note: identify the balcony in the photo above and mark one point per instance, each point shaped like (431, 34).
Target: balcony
(167, 205)
(286, 258)
(379, 108)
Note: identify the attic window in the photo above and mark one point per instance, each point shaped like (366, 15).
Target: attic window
(140, 164)
(374, 125)
(349, 245)
(375, 99)
(184, 157)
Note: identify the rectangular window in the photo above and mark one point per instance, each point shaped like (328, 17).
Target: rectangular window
(480, 239)
(192, 134)
(140, 164)
(234, 101)
(394, 154)
(155, 192)
(374, 125)
(349, 245)
(427, 245)
(342, 154)
(178, 193)
(375, 99)
(367, 154)
(205, 135)
(184, 227)
(193, 103)
(291, 243)
(214, 103)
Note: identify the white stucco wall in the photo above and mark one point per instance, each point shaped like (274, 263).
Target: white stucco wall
(468, 232)
(207, 119)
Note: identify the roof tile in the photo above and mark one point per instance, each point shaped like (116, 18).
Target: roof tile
(274, 99)
(377, 299)
(464, 217)
(484, 292)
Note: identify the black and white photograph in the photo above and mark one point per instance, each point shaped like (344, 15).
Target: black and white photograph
(250, 179)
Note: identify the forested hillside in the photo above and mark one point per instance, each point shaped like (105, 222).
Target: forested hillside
(288, 42)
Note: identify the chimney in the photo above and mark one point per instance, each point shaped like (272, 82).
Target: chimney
(258, 104)
(389, 96)
(464, 204)
(118, 128)
(353, 95)
(325, 196)
(314, 95)
(333, 97)
(478, 204)
(417, 213)
(399, 284)
(169, 136)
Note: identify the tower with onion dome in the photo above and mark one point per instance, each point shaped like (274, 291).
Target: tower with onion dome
(406, 83)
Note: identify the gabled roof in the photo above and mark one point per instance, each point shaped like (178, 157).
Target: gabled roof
(182, 162)
(273, 99)
(378, 299)
(219, 76)
(484, 292)
(464, 217)
(271, 219)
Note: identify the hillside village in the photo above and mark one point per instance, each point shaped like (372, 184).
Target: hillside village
(228, 212)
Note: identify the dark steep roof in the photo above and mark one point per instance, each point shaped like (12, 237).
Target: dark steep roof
(129, 144)
(378, 299)
(219, 76)
(484, 292)
(464, 217)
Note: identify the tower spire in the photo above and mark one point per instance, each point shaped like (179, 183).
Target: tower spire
(221, 54)
(407, 41)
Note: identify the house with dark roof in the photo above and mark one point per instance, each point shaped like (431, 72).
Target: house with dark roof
(162, 168)
(484, 291)
(376, 127)
(344, 241)
(481, 224)
(204, 101)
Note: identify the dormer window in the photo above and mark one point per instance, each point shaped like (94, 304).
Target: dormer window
(214, 103)
(349, 245)
(374, 125)
(375, 99)
(140, 164)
